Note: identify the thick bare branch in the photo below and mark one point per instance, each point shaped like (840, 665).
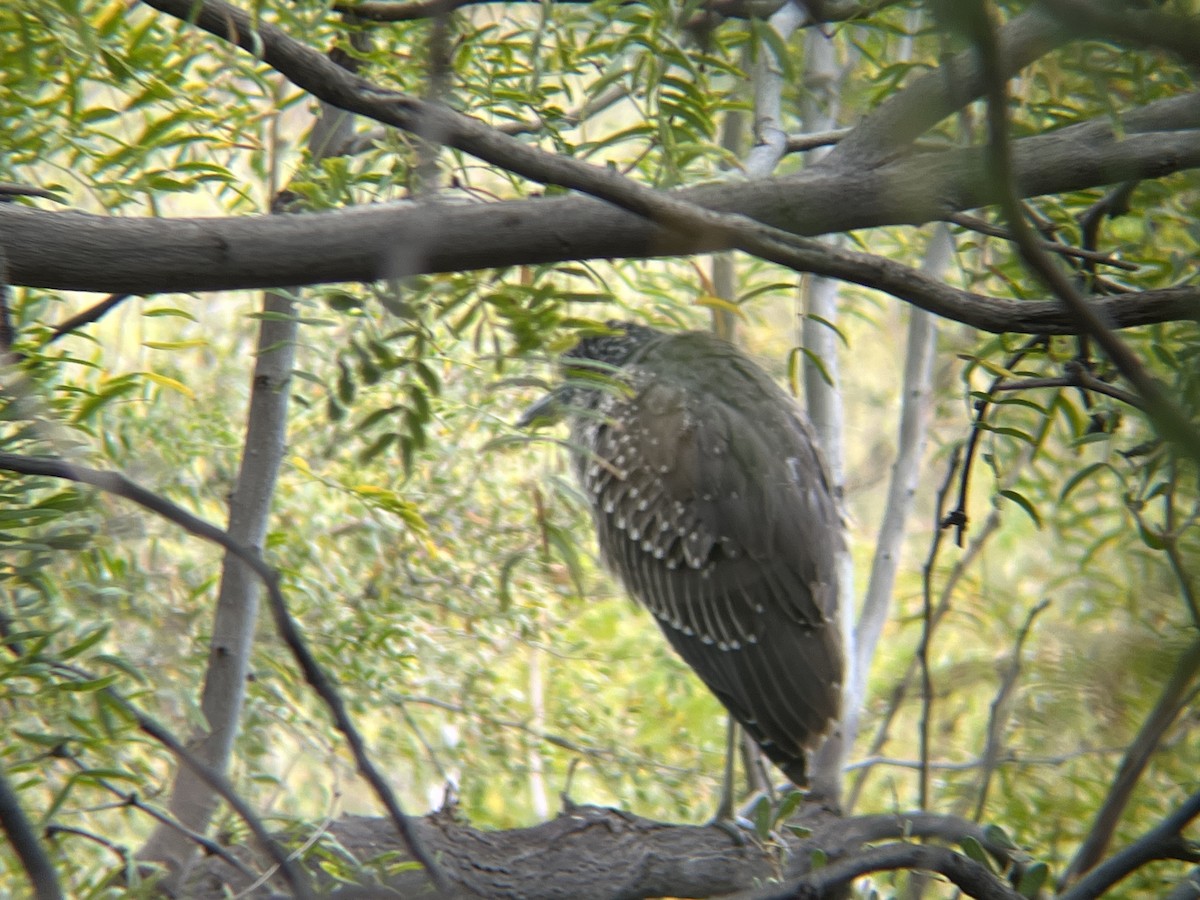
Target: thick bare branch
(68, 250)
(911, 112)
(593, 853)
(685, 221)
(1147, 26)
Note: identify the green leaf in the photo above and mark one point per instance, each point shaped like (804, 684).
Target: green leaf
(998, 836)
(1025, 503)
(168, 311)
(85, 644)
(504, 589)
(1080, 477)
(90, 684)
(1033, 879)
(1150, 538)
(170, 383)
(973, 849)
(43, 739)
(762, 818)
(192, 344)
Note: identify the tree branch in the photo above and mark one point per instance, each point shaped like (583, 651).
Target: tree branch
(970, 877)
(1167, 417)
(1164, 841)
(815, 12)
(1147, 27)
(974, 223)
(998, 712)
(120, 486)
(593, 853)
(910, 112)
(88, 316)
(1078, 377)
(1175, 697)
(24, 841)
(72, 251)
(696, 226)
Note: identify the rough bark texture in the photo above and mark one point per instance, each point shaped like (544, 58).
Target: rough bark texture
(594, 853)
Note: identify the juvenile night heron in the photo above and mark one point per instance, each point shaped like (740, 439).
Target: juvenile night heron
(712, 503)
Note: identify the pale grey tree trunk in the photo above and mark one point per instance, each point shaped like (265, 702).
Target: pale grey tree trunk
(915, 405)
(820, 102)
(193, 802)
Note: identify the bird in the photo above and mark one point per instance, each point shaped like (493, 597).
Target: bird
(713, 505)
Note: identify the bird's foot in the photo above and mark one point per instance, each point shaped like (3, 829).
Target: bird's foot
(740, 830)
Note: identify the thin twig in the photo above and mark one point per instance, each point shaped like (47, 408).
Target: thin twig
(132, 800)
(927, 625)
(216, 780)
(1008, 759)
(552, 739)
(1171, 532)
(1076, 376)
(11, 189)
(997, 715)
(981, 226)
(958, 516)
(89, 315)
(801, 143)
(1114, 203)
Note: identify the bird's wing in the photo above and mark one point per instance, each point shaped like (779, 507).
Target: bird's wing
(720, 519)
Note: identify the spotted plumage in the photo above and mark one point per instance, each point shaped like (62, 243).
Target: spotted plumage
(712, 504)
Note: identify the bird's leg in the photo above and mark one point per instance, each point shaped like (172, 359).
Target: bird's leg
(737, 827)
(725, 807)
(759, 778)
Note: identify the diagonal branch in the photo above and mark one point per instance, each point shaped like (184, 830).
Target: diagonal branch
(707, 228)
(16, 826)
(911, 112)
(972, 878)
(1148, 27)
(1176, 695)
(120, 486)
(1171, 421)
(1163, 841)
(88, 316)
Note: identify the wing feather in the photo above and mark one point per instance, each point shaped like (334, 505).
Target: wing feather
(720, 519)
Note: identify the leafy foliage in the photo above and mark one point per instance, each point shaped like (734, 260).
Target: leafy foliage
(436, 558)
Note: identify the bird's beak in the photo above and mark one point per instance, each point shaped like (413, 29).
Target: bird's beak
(546, 411)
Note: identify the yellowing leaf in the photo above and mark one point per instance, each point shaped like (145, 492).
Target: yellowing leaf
(172, 383)
(713, 302)
(176, 345)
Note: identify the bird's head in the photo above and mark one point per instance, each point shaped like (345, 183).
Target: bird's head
(589, 368)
